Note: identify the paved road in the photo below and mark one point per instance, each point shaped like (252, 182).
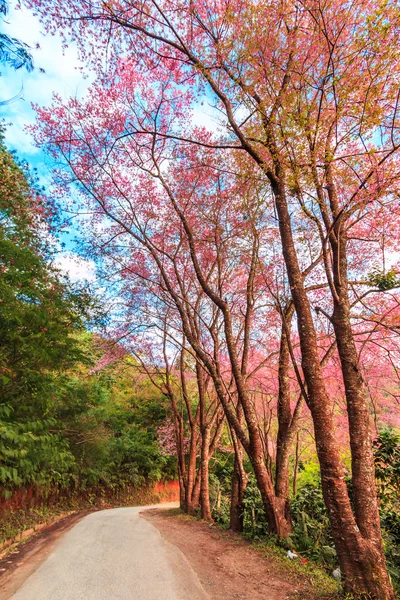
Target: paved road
(113, 555)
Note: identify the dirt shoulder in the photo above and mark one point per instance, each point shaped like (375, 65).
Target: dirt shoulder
(230, 568)
(28, 555)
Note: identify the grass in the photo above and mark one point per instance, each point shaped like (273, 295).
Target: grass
(323, 586)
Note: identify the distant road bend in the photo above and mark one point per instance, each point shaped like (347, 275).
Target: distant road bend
(113, 555)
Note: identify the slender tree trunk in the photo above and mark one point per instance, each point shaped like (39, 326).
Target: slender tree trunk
(204, 470)
(182, 490)
(296, 464)
(205, 429)
(239, 483)
(180, 451)
(284, 412)
(275, 508)
(191, 475)
(196, 491)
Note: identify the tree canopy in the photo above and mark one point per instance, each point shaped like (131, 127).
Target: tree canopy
(254, 262)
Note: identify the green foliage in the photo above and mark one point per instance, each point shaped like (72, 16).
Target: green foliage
(111, 424)
(387, 465)
(255, 524)
(29, 453)
(309, 473)
(311, 535)
(384, 281)
(219, 494)
(64, 420)
(38, 321)
(311, 531)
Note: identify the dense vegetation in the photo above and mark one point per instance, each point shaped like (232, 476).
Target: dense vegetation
(65, 421)
(311, 537)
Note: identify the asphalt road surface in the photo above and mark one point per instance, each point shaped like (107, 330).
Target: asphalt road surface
(113, 555)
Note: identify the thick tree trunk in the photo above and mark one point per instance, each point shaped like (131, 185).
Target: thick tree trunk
(283, 444)
(365, 499)
(357, 557)
(275, 508)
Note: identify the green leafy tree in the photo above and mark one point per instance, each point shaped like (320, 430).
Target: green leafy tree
(39, 316)
(66, 417)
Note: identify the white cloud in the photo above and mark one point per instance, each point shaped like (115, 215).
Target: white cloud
(78, 269)
(392, 259)
(61, 75)
(204, 115)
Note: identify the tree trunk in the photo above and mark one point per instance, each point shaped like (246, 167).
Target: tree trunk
(284, 411)
(275, 509)
(359, 561)
(205, 429)
(182, 490)
(191, 475)
(365, 499)
(204, 464)
(239, 483)
(196, 491)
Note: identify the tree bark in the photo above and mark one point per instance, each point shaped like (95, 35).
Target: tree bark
(182, 490)
(357, 556)
(204, 470)
(283, 444)
(239, 483)
(366, 507)
(191, 476)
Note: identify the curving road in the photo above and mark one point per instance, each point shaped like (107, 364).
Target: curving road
(113, 555)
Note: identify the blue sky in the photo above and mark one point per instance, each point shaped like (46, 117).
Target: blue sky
(62, 76)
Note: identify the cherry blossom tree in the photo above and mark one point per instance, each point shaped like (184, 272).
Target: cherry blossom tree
(309, 97)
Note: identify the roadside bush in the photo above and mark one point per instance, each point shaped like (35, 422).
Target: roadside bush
(311, 531)
(387, 464)
(255, 523)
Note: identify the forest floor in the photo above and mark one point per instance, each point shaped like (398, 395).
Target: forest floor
(231, 568)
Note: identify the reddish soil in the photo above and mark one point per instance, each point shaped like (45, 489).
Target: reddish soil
(228, 567)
